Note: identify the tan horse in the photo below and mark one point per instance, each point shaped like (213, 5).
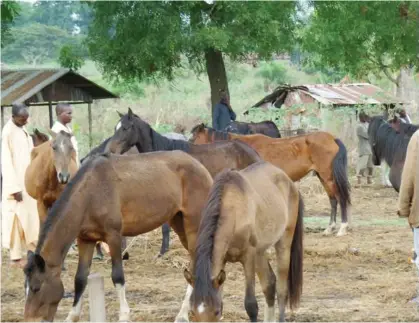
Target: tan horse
(53, 164)
(297, 156)
(113, 196)
(247, 212)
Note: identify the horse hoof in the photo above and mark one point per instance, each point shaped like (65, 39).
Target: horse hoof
(328, 231)
(72, 318)
(343, 231)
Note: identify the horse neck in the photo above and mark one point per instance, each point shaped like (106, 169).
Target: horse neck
(215, 135)
(388, 148)
(160, 142)
(63, 223)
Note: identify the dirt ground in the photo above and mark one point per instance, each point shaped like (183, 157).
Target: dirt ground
(364, 276)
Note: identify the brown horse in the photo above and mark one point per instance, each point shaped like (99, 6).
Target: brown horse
(267, 128)
(52, 165)
(38, 137)
(297, 156)
(132, 131)
(113, 196)
(246, 213)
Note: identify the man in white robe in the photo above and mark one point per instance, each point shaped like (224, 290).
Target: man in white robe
(64, 113)
(20, 220)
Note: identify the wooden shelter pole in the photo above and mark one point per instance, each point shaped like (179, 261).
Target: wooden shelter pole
(89, 111)
(51, 121)
(2, 117)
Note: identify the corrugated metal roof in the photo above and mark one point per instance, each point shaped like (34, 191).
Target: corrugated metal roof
(329, 94)
(17, 86)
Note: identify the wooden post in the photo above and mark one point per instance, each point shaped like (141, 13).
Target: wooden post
(89, 111)
(97, 311)
(51, 121)
(2, 117)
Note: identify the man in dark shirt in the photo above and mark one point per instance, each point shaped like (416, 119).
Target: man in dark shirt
(223, 114)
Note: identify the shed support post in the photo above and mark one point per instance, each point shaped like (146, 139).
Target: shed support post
(51, 121)
(89, 111)
(97, 310)
(2, 117)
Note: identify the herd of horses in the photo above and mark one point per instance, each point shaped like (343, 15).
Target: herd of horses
(228, 195)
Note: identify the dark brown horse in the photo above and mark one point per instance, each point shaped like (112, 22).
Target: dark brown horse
(246, 213)
(113, 196)
(132, 131)
(267, 128)
(38, 137)
(297, 156)
(389, 143)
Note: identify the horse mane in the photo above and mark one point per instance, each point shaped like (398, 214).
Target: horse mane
(59, 205)
(97, 150)
(408, 129)
(203, 288)
(387, 141)
(160, 142)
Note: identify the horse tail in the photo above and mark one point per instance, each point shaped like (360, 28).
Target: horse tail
(295, 274)
(340, 175)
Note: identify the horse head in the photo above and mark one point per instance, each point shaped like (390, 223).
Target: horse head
(130, 131)
(63, 153)
(199, 134)
(43, 289)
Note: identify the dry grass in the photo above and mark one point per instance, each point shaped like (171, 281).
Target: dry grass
(360, 277)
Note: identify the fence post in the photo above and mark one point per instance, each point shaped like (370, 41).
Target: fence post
(97, 311)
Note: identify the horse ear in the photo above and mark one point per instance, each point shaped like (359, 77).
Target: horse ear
(39, 262)
(130, 113)
(187, 276)
(36, 131)
(220, 279)
(120, 114)
(52, 133)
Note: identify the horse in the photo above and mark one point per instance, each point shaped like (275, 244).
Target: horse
(390, 145)
(267, 128)
(53, 164)
(299, 155)
(113, 196)
(246, 213)
(38, 137)
(132, 131)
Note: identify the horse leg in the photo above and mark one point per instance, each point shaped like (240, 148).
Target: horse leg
(333, 205)
(165, 229)
(86, 250)
(250, 302)
(118, 278)
(183, 315)
(267, 280)
(123, 247)
(283, 258)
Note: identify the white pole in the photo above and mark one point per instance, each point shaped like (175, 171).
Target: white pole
(97, 311)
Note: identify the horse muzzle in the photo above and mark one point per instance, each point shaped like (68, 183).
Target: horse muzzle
(63, 178)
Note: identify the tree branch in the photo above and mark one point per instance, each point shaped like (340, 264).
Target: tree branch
(385, 69)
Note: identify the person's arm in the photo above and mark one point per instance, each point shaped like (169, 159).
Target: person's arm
(232, 114)
(215, 116)
(10, 179)
(409, 174)
(362, 132)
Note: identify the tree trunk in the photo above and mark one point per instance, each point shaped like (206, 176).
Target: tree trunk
(216, 74)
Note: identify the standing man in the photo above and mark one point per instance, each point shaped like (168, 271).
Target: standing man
(223, 114)
(408, 206)
(20, 220)
(64, 113)
(364, 149)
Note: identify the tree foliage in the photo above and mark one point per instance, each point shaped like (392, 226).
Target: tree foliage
(360, 37)
(71, 57)
(9, 11)
(36, 43)
(136, 40)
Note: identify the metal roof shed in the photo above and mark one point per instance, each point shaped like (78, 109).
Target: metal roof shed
(48, 87)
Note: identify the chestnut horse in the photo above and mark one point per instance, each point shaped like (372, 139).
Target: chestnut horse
(113, 196)
(246, 213)
(389, 143)
(297, 156)
(38, 137)
(132, 131)
(52, 165)
(267, 128)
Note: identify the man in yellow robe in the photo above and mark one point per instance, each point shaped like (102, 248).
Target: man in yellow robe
(20, 220)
